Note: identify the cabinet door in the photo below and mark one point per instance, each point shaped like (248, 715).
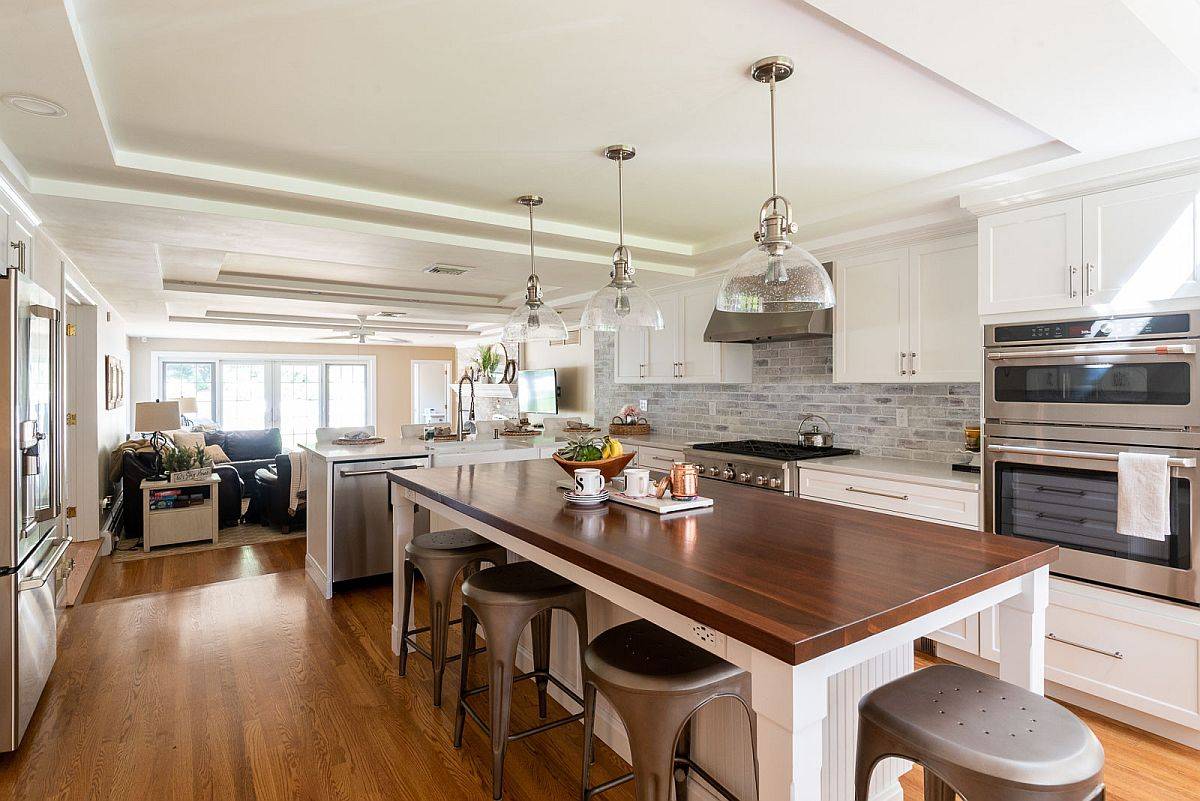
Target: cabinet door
(630, 356)
(945, 335)
(662, 346)
(870, 319)
(699, 361)
(1031, 258)
(1139, 243)
(963, 635)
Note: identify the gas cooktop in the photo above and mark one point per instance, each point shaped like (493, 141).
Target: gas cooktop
(767, 449)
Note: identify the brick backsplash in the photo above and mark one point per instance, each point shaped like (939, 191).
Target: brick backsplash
(791, 379)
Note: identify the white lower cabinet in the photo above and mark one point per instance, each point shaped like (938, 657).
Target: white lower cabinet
(902, 497)
(656, 458)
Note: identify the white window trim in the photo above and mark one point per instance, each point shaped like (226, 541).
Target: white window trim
(272, 361)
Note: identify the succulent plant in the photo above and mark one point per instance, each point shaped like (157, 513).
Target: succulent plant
(586, 448)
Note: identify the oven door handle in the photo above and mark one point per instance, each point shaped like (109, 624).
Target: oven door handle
(1173, 461)
(1152, 350)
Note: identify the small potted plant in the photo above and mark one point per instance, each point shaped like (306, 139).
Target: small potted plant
(490, 363)
(187, 464)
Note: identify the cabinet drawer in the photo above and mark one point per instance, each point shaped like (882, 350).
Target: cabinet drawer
(898, 497)
(657, 458)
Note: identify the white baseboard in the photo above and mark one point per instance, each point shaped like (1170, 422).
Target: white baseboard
(318, 577)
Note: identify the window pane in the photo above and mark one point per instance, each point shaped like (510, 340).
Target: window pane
(190, 380)
(347, 393)
(243, 396)
(299, 404)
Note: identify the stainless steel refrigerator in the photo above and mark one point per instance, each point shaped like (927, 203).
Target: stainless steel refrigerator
(32, 538)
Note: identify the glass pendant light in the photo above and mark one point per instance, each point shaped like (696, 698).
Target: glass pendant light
(533, 321)
(775, 275)
(621, 304)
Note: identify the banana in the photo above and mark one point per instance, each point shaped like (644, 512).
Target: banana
(615, 448)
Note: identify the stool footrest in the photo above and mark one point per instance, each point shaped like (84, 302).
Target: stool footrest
(715, 785)
(532, 674)
(420, 649)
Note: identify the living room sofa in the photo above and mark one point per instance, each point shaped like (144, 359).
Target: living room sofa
(247, 450)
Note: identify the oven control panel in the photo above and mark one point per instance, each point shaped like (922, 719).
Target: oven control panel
(745, 472)
(1100, 328)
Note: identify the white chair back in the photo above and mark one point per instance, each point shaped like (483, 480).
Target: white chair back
(413, 430)
(553, 426)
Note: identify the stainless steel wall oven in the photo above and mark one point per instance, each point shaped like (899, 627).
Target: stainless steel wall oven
(1061, 401)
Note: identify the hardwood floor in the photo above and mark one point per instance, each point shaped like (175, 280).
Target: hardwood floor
(257, 688)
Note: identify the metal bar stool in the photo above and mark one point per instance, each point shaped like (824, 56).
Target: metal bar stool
(978, 737)
(439, 557)
(503, 600)
(657, 682)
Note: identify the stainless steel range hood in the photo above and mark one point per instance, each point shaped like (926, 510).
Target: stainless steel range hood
(741, 327)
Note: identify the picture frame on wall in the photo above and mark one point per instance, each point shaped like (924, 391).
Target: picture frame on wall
(114, 382)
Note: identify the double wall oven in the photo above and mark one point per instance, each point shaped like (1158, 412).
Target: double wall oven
(1061, 401)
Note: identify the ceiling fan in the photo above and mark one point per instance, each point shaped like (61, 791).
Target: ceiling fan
(363, 334)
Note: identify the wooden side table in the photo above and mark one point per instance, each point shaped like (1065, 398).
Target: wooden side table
(171, 525)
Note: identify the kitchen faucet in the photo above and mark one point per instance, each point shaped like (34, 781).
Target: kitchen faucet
(469, 428)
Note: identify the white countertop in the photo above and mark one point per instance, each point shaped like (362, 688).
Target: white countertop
(930, 473)
(398, 447)
(653, 440)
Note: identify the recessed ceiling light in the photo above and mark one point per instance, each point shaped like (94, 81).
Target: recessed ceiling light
(31, 104)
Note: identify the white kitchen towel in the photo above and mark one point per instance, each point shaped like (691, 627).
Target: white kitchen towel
(1143, 496)
(296, 490)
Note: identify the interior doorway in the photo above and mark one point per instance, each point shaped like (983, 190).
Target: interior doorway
(430, 391)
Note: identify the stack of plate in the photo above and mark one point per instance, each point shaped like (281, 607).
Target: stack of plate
(585, 500)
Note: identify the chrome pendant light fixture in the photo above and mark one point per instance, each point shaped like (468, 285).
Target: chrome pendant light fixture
(621, 304)
(775, 275)
(533, 321)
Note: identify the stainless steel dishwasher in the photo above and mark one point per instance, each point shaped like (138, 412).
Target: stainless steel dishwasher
(362, 526)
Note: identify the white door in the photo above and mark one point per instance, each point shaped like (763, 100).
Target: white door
(630, 355)
(431, 392)
(1140, 243)
(662, 346)
(1031, 258)
(699, 361)
(945, 335)
(870, 320)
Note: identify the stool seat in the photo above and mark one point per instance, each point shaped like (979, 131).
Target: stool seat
(516, 584)
(641, 657)
(453, 542)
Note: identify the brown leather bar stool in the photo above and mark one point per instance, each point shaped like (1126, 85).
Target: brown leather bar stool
(504, 599)
(656, 682)
(978, 737)
(439, 557)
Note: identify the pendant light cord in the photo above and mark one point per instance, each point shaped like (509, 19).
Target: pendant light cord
(532, 271)
(774, 182)
(620, 203)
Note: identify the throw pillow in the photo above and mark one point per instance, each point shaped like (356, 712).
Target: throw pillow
(187, 439)
(215, 453)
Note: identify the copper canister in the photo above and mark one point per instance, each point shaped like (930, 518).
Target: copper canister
(683, 481)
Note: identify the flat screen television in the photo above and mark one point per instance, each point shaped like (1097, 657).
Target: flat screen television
(537, 391)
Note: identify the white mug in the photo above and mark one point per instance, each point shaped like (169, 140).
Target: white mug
(635, 482)
(588, 481)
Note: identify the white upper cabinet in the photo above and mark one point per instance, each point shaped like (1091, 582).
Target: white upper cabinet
(678, 353)
(1139, 243)
(1125, 247)
(1031, 258)
(945, 335)
(870, 320)
(908, 314)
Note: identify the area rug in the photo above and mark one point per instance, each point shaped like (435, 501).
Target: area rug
(232, 537)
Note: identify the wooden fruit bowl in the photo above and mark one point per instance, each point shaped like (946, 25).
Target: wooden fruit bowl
(609, 468)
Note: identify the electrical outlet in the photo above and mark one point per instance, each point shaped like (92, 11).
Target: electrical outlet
(708, 638)
(642, 404)
(902, 417)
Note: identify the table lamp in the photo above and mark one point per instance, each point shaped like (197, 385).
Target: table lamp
(156, 417)
(187, 406)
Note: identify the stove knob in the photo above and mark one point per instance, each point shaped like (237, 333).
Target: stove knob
(744, 477)
(727, 474)
(1106, 329)
(712, 471)
(760, 480)
(774, 482)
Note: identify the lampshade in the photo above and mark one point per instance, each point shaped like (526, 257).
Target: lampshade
(187, 405)
(614, 307)
(156, 416)
(530, 323)
(792, 281)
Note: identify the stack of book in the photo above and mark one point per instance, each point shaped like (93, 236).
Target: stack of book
(176, 498)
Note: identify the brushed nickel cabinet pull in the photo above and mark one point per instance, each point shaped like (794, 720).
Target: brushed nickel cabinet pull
(902, 357)
(876, 492)
(1089, 282)
(1071, 272)
(912, 362)
(1114, 654)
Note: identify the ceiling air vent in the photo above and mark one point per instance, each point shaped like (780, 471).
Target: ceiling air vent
(446, 269)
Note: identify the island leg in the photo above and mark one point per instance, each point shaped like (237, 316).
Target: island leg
(408, 521)
(790, 705)
(1022, 622)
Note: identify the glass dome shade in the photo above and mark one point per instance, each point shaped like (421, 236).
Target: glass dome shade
(534, 324)
(791, 281)
(614, 307)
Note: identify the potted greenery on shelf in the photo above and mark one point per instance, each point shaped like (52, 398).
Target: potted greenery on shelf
(490, 364)
(187, 464)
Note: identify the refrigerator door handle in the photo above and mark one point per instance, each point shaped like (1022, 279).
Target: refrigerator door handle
(39, 579)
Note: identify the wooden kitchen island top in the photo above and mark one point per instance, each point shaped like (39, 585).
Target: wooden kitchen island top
(793, 578)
